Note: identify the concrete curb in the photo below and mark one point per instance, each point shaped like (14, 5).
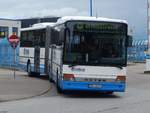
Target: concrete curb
(23, 87)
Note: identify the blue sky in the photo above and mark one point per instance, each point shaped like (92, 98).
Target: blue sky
(134, 11)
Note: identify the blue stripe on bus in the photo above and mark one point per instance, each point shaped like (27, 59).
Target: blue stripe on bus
(147, 56)
(24, 67)
(104, 86)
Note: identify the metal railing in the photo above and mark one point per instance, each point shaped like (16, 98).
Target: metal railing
(137, 53)
(7, 54)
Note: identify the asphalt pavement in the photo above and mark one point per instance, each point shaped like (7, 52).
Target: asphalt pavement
(136, 99)
(20, 87)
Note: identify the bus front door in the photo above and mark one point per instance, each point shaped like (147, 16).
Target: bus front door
(37, 59)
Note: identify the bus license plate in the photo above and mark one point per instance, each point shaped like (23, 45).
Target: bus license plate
(95, 86)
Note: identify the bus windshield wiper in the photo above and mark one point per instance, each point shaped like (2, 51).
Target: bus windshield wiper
(118, 66)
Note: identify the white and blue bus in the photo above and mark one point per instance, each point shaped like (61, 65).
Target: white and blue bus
(89, 54)
(34, 48)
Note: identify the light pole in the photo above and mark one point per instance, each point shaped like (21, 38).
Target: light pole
(148, 38)
(91, 7)
(148, 22)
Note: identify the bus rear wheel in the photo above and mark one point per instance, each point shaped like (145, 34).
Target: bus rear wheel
(29, 68)
(50, 78)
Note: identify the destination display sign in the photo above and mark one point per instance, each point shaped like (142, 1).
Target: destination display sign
(101, 27)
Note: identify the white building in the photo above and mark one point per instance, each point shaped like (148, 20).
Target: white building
(9, 26)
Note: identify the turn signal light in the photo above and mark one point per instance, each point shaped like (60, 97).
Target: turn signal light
(69, 77)
(121, 79)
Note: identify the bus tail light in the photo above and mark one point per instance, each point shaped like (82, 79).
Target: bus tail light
(69, 77)
(121, 79)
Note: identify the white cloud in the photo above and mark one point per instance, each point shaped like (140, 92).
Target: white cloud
(44, 12)
(134, 11)
(61, 12)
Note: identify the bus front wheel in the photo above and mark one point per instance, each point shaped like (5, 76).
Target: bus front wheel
(59, 90)
(110, 93)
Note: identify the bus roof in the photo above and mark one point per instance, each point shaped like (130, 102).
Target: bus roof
(86, 18)
(38, 26)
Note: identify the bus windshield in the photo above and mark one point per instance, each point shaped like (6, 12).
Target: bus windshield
(93, 48)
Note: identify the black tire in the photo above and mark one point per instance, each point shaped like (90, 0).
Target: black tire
(50, 78)
(59, 90)
(29, 69)
(110, 93)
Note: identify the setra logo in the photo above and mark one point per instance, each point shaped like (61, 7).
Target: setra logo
(77, 69)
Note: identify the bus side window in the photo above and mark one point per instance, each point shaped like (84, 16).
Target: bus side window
(26, 39)
(42, 38)
(55, 37)
(61, 37)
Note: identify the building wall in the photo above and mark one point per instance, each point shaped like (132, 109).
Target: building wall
(10, 24)
(30, 21)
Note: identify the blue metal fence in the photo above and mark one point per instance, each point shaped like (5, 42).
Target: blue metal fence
(136, 53)
(7, 54)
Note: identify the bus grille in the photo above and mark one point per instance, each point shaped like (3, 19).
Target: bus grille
(94, 80)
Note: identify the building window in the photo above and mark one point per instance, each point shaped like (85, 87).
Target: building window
(15, 31)
(3, 32)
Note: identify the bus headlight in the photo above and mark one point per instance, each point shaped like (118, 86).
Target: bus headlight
(121, 79)
(69, 77)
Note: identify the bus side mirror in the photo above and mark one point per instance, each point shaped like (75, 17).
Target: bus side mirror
(129, 41)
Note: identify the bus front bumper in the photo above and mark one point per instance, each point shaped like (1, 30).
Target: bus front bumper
(93, 86)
